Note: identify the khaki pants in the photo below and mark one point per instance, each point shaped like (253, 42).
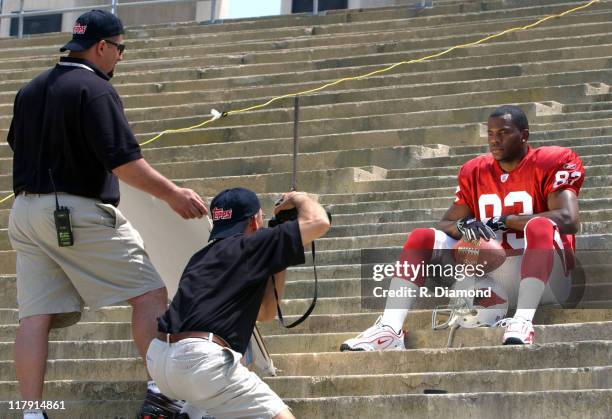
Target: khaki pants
(211, 380)
(107, 263)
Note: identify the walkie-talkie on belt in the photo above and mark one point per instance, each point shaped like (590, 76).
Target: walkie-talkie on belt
(62, 220)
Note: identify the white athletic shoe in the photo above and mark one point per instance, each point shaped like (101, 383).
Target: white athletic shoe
(518, 331)
(379, 337)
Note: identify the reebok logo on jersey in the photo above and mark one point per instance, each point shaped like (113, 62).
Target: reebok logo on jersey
(569, 166)
(221, 214)
(79, 29)
(504, 177)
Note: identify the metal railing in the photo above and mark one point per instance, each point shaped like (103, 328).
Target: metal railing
(113, 6)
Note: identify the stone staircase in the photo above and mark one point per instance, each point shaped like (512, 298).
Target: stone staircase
(383, 154)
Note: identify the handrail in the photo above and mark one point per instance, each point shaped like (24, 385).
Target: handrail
(114, 4)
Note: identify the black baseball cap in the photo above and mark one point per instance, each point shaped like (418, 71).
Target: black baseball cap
(91, 27)
(231, 210)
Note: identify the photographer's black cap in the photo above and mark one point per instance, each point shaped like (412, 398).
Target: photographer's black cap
(91, 27)
(231, 210)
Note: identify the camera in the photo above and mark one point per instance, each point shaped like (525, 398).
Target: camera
(289, 215)
(283, 216)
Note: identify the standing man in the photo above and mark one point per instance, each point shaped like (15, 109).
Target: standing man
(71, 141)
(225, 288)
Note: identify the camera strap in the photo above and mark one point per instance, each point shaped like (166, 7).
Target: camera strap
(312, 304)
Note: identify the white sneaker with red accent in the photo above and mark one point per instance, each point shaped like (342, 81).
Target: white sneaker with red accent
(518, 331)
(379, 337)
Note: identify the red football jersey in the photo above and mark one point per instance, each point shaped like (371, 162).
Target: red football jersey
(489, 191)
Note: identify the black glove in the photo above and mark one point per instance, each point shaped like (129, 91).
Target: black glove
(473, 230)
(497, 223)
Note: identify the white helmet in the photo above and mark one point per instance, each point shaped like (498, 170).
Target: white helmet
(474, 303)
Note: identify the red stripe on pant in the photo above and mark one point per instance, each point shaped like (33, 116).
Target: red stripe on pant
(417, 250)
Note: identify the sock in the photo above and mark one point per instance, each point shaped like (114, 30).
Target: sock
(152, 387)
(33, 414)
(397, 308)
(530, 294)
(417, 250)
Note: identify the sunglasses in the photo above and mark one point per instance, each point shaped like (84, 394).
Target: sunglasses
(120, 47)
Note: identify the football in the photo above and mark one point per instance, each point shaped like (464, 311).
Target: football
(489, 254)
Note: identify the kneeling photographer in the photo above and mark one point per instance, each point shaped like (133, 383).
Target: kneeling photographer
(225, 288)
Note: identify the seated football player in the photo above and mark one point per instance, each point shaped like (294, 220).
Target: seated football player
(527, 198)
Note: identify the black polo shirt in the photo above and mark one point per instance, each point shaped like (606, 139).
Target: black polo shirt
(222, 287)
(70, 119)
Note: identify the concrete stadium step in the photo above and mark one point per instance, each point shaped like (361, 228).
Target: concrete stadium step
(587, 107)
(321, 386)
(550, 355)
(80, 331)
(426, 154)
(597, 290)
(420, 319)
(480, 404)
(561, 140)
(8, 314)
(330, 342)
(450, 170)
(428, 338)
(237, 139)
(588, 160)
(461, 59)
(410, 383)
(402, 221)
(457, 61)
(566, 354)
(94, 349)
(238, 133)
(69, 390)
(191, 81)
(420, 183)
(304, 41)
(594, 204)
(339, 31)
(373, 110)
(416, 89)
(575, 116)
(342, 122)
(381, 156)
(321, 44)
(236, 97)
(452, 382)
(460, 406)
(591, 241)
(459, 155)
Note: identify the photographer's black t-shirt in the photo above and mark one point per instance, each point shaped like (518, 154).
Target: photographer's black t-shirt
(222, 287)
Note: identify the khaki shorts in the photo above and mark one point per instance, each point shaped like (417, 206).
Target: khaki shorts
(107, 263)
(211, 380)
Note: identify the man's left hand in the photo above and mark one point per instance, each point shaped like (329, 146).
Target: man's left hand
(497, 223)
